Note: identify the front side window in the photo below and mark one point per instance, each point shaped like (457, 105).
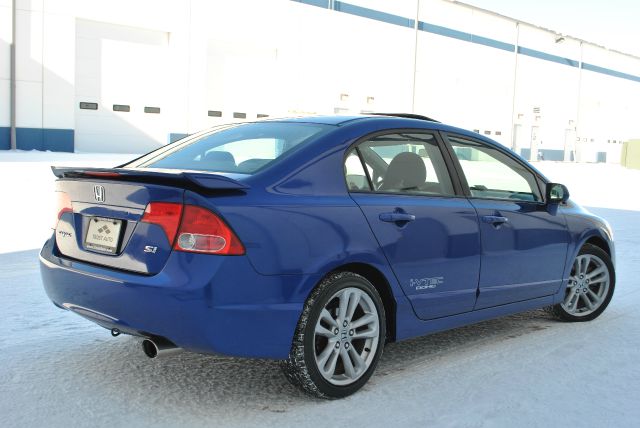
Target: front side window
(492, 174)
(402, 163)
(243, 148)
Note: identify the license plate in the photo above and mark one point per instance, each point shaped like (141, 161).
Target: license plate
(103, 234)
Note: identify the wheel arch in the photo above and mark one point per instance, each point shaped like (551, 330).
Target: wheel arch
(382, 285)
(599, 242)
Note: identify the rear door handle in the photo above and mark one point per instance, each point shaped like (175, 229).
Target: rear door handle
(494, 219)
(396, 217)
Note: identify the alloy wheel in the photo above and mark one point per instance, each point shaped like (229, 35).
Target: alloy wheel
(588, 285)
(346, 336)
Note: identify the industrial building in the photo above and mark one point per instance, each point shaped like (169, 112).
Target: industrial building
(129, 76)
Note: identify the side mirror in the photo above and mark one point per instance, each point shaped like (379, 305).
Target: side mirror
(556, 193)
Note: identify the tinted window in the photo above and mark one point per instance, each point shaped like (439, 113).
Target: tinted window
(243, 148)
(493, 174)
(354, 173)
(406, 163)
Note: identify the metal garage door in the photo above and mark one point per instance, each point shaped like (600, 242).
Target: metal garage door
(121, 86)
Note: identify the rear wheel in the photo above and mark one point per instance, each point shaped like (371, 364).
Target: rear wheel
(590, 286)
(339, 338)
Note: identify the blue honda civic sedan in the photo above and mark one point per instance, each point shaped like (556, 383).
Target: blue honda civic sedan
(317, 240)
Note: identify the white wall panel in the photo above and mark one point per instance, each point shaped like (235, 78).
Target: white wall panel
(29, 40)
(58, 72)
(471, 88)
(29, 104)
(5, 55)
(5, 42)
(5, 115)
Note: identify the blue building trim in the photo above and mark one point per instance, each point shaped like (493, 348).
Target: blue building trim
(5, 138)
(610, 72)
(55, 140)
(388, 18)
(318, 3)
(376, 15)
(547, 57)
(466, 37)
(58, 140)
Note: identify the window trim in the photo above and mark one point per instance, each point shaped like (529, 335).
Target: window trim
(463, 178)
(458, 189)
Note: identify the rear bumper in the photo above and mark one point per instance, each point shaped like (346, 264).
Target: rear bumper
(202, 303)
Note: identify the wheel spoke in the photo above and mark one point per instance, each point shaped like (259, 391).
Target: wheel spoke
(322, 331)
(325, 315)
(586, 300)
(357, 359)
(594, 296)
(594, 273)
(353, 304)
(344, 304)
(364, 320)
(324, 356)
(585, 264)
(330, 369)
(349, 370)
(366, 334)
(600, 277)
(568, 301)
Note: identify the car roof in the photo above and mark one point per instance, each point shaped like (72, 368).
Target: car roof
(411, 120)
(403, 121)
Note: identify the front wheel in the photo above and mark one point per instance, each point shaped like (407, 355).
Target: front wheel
(339, 338)
(590, 287)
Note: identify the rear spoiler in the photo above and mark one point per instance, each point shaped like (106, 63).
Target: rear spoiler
(201, 180)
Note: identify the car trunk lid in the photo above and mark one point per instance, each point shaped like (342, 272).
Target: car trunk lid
(105, 225)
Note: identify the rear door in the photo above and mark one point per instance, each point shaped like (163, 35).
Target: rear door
(428, 233)
(524, 244)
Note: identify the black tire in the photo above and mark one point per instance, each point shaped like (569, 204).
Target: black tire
(301, 368)
(561, 313)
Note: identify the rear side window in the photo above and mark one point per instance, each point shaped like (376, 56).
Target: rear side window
(406, 163)
(243, 148)
(354, 173)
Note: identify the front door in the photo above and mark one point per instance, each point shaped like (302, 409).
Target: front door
(429, 234)
(524, 244)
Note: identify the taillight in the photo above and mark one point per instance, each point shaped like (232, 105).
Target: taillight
(166, 215)
(201, 231)
(64, 206)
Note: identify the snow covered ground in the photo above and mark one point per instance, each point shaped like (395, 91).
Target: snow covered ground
(56, 369)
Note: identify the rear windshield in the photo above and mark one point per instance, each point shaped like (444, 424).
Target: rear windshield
(243, 148)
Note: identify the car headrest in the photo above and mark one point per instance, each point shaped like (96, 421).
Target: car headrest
(406, 171)
(220, 159)
(251, 165)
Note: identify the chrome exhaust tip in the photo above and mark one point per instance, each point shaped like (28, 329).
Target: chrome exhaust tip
(158, 347)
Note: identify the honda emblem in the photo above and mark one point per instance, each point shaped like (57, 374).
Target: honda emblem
(98, 193)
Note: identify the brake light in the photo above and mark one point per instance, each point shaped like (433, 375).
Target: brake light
(101, 174)
(166, 215)
(64, 206)
(201, 231)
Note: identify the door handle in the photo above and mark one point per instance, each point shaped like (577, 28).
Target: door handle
(494, 219)
(397, 217)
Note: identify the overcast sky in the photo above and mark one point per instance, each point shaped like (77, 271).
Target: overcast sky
(612, 23)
